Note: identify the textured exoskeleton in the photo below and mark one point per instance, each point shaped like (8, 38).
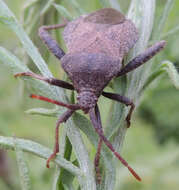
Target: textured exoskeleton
(96, 46)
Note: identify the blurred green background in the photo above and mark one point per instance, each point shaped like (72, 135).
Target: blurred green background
(151, 144)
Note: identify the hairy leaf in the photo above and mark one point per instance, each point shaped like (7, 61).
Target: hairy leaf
(23, 168)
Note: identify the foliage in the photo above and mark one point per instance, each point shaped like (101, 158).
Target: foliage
(132, 86)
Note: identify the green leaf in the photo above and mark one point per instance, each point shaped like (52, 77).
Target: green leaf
(58, 170)
(65, 177)
(105, 3)
(39, 150)
(27, 12)
(63, 11)
(77, 7)
(170, 32)
(172, 72)
(22, 166)
(43, 112)
(85, 125)
(8, 18)
(116, 110)
(142, 14)
(47, 6)
(10, 60)
(151, 78)
(162, 20)
(16, 66)
(115, 4)
(55, 178)
(81, 155)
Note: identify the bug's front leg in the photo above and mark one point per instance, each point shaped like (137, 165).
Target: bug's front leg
(49, 41)
(142, 58)
(51, 81)
(124, 100)
(62, 119)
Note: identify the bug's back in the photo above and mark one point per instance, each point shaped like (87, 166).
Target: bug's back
(104, 31)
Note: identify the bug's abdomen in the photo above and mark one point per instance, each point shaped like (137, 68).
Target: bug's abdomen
(90, 71)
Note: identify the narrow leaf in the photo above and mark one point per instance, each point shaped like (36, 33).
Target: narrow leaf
(142, 14)
(65, 177)
(163, 19)
(115, 4)
(172, 72)
(63, 11)
(55, 178)
(39, 150)
(77, 7)
(22, 166)
(16, 66)
(59, 170)
(47, 6)
(10, 60)
(81, 155)
(151, 78)
(104, 3)
(171, 32)
(85, 125)
(43, 112)
(8, 18)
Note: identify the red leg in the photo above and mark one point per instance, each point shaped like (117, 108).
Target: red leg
(69, 106)
(62, 119)
(99, 130)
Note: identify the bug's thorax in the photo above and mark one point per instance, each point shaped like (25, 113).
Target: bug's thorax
(87, 99)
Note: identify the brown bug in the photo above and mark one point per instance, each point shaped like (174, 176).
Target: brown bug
(97, 44)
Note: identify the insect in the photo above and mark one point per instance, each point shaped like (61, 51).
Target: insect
(97, 44)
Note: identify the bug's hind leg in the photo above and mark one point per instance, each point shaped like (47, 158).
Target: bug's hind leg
(61, 119)
(142, 58)
(96, 161)
(98, 127)
(123, 100)
(51, 81)
(98, 153)
(49, 41)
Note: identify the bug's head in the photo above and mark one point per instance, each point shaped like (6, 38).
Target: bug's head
(87, 100)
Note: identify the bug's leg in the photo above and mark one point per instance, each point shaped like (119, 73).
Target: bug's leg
(69, 106)
(96, 161)
(123, 100)
(99, 130)
(61, 119)
(52, 81)
(142, 58)
(98, 153)
(49, 41)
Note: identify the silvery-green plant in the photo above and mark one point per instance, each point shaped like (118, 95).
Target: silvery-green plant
(132, 85)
